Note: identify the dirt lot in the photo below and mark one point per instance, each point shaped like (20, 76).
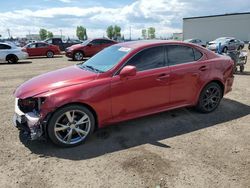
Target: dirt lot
(180, 148)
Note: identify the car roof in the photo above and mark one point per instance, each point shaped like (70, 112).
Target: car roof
(148, 43)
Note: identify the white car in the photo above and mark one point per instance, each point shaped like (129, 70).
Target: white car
(11, 53)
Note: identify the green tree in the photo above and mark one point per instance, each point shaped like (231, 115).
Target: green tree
(117, 32)
(110, 31)
(50, 34)
(43, 34)
(81, 33)
(144, 33)
(151, 33)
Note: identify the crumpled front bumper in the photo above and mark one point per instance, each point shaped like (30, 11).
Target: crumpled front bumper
(28, 122)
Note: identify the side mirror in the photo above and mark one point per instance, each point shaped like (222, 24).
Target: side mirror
(89, 44)
(128, 71)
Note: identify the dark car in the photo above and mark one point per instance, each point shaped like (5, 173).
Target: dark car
(88, 48)
(62, 44)
(122, 82)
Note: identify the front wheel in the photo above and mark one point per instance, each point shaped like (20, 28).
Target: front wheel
(71, 125)
(210, 98)
(78, 56)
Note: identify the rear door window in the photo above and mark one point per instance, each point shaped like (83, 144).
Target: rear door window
(178, 54)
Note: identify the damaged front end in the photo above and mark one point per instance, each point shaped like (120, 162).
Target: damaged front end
(27, 117)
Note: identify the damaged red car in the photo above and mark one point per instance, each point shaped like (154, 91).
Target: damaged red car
(122, 82)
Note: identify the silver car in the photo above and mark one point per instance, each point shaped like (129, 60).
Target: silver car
(227, 44)
(196, 41)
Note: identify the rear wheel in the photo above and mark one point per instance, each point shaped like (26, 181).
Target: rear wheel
(210, 98)
(12, 59)
(50, 54)
(78, 56)
(71, 125)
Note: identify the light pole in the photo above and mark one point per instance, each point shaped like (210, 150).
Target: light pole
(130, 32)
(61, 33)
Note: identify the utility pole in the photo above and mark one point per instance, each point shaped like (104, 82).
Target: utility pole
(61, 33)
(8, 30)
(130, 33)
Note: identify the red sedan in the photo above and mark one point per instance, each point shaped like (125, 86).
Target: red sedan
(42, 49)
(124, 81)
(88, 48)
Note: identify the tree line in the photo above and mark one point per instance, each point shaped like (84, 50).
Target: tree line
(113, 32)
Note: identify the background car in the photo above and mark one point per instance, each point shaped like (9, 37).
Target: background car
(196, 41)
(122, 82)
(11, 53)
(227, 44)
(240, 44)
(42, 49)
(62, 44)
(88, 48)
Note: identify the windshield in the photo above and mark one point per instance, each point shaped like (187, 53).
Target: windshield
(85, 42)
(106, 59)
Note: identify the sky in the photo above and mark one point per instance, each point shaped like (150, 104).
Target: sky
(28, 16)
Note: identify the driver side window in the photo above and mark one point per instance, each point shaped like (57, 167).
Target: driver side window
(148, 59)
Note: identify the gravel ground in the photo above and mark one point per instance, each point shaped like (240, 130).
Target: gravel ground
(179, 148)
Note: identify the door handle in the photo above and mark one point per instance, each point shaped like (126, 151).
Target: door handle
(203, 68)
(162, 77)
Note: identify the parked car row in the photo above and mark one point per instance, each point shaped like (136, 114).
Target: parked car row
(224, 44)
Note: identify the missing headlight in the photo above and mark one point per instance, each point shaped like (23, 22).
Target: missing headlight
(30, 104)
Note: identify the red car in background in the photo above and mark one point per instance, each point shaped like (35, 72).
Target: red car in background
(122, 82)
(88, 48)
(42, 49)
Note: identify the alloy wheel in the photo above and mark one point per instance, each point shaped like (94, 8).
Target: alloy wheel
(211, 98)
(78, 56)
(72, 127)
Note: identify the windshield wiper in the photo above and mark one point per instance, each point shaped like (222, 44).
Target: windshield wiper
(92, 68)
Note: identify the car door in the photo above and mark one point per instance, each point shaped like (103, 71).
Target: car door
(232, 45)
(41, 49)
(31, 49)
(188, 72)
(147, 90)
(4, 51)
(93, 47)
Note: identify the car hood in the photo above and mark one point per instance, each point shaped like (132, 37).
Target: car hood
(54, 80)
(76, 46)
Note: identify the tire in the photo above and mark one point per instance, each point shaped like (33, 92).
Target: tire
(66, 134)
(78, 56)
(210, 98)
(12, 59)
(50, 54)
(242, 68)
(225, 49)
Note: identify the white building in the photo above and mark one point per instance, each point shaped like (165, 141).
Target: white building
(209, 28)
